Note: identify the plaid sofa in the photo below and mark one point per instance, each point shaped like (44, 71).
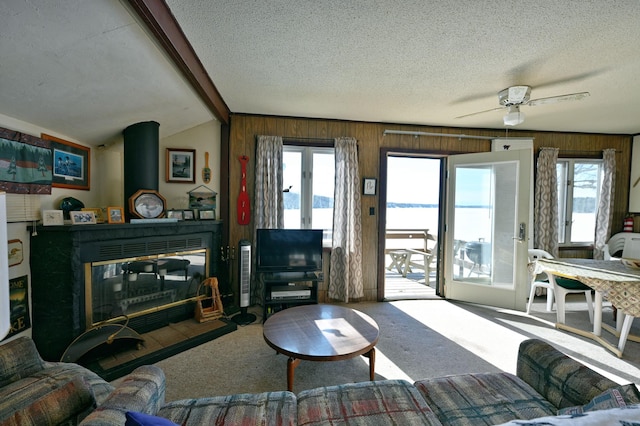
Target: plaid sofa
(546, 381)
(36, 392)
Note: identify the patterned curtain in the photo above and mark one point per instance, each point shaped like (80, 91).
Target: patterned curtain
(604, 217)
(545, 215)
(345, 276)
(268, 206)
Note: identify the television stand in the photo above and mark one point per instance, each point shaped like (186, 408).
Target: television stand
(285, 289)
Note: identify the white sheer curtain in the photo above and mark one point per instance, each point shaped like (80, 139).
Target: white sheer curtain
(604, 216)
(345, 275)
(268, 206)
(545, 215)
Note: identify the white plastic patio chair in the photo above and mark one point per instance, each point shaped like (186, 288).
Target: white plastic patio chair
(534, 254)
(557, 288)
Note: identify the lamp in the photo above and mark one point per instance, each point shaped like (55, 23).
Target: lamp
(514, 116)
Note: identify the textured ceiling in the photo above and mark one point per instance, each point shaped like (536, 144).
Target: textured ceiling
(87, 69)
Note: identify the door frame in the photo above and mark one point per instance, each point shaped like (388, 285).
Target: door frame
(513, 297)
(382, 210)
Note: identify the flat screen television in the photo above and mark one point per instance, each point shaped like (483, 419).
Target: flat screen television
(284, 250)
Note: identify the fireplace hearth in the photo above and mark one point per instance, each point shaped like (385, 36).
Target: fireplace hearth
(86, 275)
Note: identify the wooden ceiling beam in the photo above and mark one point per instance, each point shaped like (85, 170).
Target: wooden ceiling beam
(162, 24)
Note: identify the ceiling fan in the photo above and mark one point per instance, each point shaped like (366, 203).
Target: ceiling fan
(512, 98)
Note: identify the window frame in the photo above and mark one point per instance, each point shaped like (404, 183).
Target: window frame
(564, 215)
(306, 185)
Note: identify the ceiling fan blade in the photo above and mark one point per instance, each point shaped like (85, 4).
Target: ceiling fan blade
(480, 112)
(559, 98)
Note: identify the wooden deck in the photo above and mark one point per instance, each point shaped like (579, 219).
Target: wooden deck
(397, 287)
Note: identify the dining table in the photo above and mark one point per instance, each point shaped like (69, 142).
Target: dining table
(612, 280)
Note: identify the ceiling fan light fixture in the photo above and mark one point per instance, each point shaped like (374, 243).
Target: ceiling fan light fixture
(514, 116)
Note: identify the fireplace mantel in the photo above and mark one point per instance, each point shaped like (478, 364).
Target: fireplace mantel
(58, 256)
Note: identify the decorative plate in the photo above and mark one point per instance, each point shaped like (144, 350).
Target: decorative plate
(147, 204)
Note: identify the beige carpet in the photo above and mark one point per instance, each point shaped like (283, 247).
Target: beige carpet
(418, 339)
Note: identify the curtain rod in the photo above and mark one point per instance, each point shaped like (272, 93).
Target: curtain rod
(293, 139)
(579, 151)
(450, 135)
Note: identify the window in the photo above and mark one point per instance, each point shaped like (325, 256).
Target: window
(308, 176)
(578, 195)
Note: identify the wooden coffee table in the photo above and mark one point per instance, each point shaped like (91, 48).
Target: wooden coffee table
(321, 333)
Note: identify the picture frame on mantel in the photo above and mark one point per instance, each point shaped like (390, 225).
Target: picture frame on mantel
(71, 164)
(180, 165)
(115, 215)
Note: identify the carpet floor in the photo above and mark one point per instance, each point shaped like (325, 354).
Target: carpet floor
(418, 339)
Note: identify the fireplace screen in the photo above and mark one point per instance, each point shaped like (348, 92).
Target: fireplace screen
(141, 285)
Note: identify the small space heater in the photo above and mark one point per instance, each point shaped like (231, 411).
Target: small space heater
(244, 279)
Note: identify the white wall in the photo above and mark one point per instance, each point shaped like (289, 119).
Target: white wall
(107, 180)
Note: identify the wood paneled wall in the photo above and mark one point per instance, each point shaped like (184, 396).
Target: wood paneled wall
(245, 128)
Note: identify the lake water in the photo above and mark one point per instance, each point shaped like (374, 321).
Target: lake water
(473, 223)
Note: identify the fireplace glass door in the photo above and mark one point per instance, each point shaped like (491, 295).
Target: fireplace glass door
(142, 285)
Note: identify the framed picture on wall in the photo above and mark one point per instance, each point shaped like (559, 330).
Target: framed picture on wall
(369, 186)
(71, 164)
(181, 165)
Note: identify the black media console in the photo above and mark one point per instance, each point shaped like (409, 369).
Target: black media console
(286, 289)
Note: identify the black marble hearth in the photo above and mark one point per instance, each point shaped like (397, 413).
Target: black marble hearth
(62, 258)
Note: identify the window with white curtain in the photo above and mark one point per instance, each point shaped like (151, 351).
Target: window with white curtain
(308, 177)
(579, 182)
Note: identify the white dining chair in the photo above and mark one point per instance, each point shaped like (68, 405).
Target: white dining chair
(557, 288)
(536, 283)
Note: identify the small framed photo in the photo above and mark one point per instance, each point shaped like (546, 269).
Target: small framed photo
(181, 165)
(175, 214)
(369, 186)
(82, 217)
(96, 211)
(52, 217)
(115, 215)
(207, 214)
(188, 215)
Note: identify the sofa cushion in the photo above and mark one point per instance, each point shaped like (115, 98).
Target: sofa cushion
(367, 403)
(482, 399)
(628, 416)
(562, 380)
(268, 408)
(142, 391)
(612, 398)
(19, 358)
(67, 404)
(65, 371)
